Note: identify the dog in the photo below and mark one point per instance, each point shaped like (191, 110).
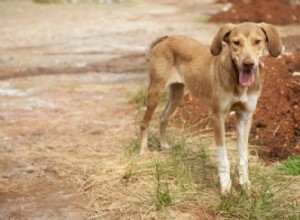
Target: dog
(225, 77)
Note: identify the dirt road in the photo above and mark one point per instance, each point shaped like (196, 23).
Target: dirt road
(63, 107)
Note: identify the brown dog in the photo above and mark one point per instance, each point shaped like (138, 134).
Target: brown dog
(224, 77)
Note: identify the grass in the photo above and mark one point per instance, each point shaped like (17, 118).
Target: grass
(290, 167)
(202, 20)
(139, 98)
(267, 201)
(162, 195)
(182, 182)
(173, 184)
(187, 175)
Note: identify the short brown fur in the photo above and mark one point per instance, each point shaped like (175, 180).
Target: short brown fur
(212, 74)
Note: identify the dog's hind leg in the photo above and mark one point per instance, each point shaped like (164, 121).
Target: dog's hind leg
(155, 91)
(176, 92)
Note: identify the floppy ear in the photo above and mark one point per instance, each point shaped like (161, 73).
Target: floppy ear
(273, 39)
(222, 35)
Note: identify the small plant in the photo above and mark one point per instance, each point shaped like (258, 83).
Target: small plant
(139, 97)
(163, 197)
(266, 203)
(202, 20)
(128, 172)
(290, 167)
(133, 147)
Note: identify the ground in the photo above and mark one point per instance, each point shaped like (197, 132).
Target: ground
(66, 71)
(280, 12)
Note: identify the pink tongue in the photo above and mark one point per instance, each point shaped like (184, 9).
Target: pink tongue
(247, 78)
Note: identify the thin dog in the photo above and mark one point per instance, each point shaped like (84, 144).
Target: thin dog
(225, 77)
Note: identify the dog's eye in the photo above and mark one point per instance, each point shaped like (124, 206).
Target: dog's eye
(257, 42)
(236, 43)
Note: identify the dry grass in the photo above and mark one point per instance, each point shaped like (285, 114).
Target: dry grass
(178, 184)
(174, 184)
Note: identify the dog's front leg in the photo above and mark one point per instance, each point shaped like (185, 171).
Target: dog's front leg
(243, 128)
(223, 162)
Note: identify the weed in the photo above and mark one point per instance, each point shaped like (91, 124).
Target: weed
(267, 203)
(290, 167)
(129, 173)
(202, 20)
(139, 97)
(186, 177)
(163, 197)
(133, 147)
(180, 168)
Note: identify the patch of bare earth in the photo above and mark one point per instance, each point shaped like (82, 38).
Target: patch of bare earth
(279, 12)
(52, 128)
(65, 120)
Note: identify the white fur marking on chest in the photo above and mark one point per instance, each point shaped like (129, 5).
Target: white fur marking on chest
(243, 95)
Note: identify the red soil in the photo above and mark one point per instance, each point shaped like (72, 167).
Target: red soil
(276, 123)
(273, 12)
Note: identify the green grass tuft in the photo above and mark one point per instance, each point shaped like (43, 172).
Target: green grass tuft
(163, 197)
(290, 167)
(186, 176)
(265, 202)
(139, 98)
(202, 20)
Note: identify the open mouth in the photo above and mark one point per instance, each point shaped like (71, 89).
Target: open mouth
(247, 77)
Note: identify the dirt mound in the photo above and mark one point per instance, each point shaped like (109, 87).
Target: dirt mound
(277, 120)
(274, 12)
(276, 123)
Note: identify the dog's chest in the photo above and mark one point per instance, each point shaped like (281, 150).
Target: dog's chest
(242, 95)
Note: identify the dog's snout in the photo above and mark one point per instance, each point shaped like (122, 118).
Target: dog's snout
(248, 63)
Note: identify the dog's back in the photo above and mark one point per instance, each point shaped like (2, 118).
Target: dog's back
(181, 59)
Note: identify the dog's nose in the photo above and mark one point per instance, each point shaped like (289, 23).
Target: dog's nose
(248, 63)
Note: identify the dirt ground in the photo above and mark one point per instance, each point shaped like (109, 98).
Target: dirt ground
(280, 12)
(66, 71)
(65, 74)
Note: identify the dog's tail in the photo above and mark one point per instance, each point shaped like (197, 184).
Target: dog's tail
(152, 45)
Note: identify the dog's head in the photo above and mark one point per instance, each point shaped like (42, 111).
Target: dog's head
(247, 42)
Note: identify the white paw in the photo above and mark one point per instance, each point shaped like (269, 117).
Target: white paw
(225, 188)
(246, 186)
